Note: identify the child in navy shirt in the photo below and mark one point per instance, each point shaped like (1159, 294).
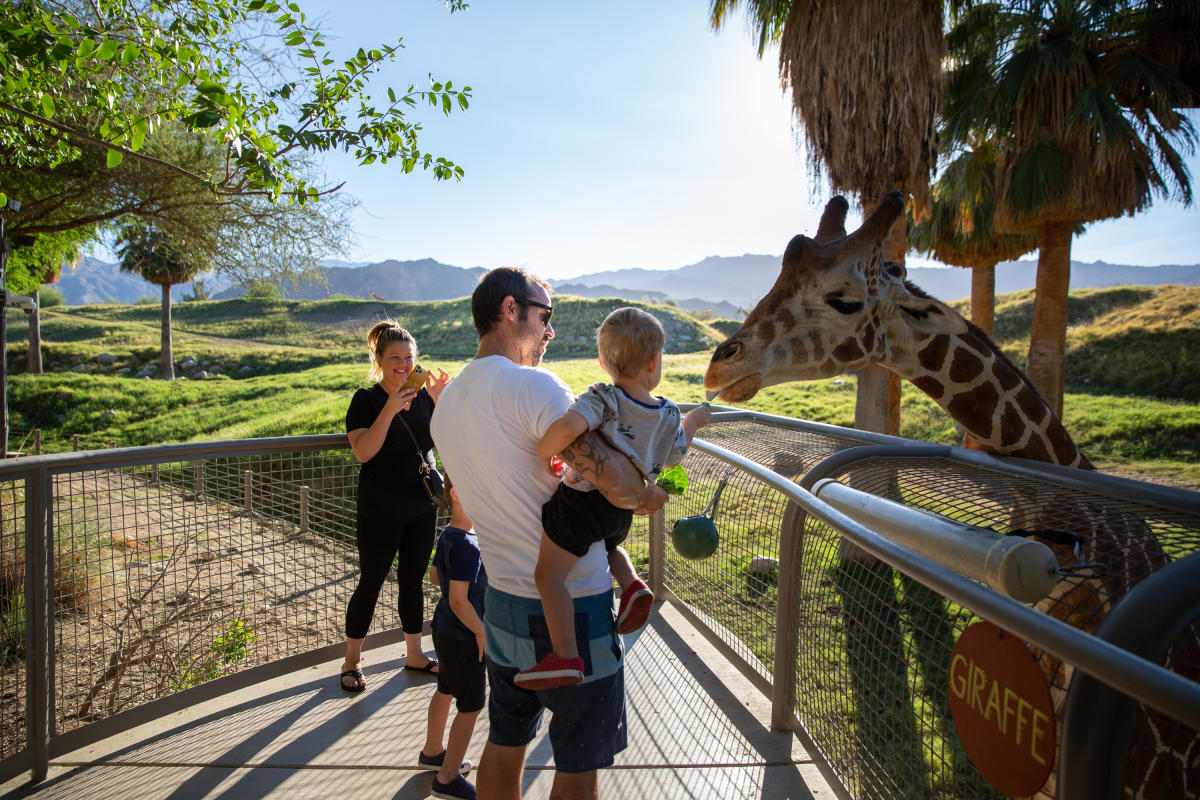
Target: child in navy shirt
(460, 644)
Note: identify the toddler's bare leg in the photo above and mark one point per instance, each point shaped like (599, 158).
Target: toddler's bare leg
(550, 574)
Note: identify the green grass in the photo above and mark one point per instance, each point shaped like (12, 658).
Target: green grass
(1137, 411)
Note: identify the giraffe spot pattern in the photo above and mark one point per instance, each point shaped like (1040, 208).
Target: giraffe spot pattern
(848, 351)
(977, 404)
(965, 366)
(929, 385)
(933, 356)
(1012, 423)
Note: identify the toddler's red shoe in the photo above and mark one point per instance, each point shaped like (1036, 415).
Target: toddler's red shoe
(634, 610)
(550, 673)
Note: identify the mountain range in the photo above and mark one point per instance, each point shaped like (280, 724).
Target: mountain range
(722, 285)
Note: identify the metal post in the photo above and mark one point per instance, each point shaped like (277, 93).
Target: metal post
(787, 621)
(249, 482)
(657, 543)
(198, 478)
(39, 622)
(154, 473)
(304, 490)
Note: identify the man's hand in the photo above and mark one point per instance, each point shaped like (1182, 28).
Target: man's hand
(653, 498)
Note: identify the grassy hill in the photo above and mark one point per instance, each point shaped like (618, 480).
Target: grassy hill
(289, 367)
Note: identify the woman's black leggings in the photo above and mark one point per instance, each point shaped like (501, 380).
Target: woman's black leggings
(379, 540)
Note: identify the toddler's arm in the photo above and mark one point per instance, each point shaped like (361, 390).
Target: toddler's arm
(559, 435)
(460, 604)
(433, 576)
(694, 420)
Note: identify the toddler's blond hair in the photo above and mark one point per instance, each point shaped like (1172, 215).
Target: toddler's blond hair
(627, 339)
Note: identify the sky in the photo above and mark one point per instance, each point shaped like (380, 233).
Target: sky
(611, 135)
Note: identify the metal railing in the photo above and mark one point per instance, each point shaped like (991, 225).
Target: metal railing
(130, 579)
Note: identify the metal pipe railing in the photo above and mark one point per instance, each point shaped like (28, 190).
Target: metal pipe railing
(1150, 683)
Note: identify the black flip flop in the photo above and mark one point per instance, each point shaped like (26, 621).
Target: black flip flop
(360, 682)
(429, 667)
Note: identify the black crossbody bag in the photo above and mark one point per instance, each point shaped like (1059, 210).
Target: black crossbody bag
(431, 479)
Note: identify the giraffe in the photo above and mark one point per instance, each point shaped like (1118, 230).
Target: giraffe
(839, 306)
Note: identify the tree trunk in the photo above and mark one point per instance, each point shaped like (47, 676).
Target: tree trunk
(35, 337)
(1048, 338)
(166, 361)
(983, 298)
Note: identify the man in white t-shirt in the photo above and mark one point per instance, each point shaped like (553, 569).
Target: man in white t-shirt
(486, 428)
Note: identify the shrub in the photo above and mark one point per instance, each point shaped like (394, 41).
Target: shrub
(50, 296)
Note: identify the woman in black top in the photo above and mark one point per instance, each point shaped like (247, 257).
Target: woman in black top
(388, 428)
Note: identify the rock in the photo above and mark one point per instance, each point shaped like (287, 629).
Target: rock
(760, 565)
(124, 371)
(108, 414)
(106, 358)
(187, 363)
(253, 569)
(146, 371)
(246, 370)
(216, 370)
(79, 368)
(205, 363)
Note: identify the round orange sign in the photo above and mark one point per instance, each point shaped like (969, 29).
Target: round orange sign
(1002, 709)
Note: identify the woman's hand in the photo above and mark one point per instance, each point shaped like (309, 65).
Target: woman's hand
(435, 385)
(399, 400)
(481, 643)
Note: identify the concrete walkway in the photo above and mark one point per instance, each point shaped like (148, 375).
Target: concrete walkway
(697, 729)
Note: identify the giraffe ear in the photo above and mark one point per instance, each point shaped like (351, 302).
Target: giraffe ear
(926, 315)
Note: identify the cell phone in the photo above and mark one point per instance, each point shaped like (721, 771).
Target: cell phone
(416, 378)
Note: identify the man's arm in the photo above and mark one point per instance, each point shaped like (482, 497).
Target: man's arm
(613, 475)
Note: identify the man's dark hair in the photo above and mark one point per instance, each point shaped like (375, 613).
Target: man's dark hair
(493, 287)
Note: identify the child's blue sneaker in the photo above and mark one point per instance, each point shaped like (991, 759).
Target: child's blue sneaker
(458, 789)
(435, 762)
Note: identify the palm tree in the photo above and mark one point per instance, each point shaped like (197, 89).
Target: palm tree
(865, 82)
(149, 252)
(958, 228)
(1091, 127)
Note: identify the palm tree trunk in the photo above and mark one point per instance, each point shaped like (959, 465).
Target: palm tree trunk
(166, 361)
(983, 298)
(1048, 338)
(35, 337)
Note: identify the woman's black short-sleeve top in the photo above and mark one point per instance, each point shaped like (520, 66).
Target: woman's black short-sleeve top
(387, 483)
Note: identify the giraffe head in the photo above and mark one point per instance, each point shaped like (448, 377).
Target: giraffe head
(837, 306)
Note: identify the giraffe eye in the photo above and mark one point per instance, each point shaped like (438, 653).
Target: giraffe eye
(841, 306)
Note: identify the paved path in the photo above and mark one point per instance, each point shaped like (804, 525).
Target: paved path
(697, 729)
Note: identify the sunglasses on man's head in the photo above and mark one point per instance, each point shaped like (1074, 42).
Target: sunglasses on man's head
(524, 301)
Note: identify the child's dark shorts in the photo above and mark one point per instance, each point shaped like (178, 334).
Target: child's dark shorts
(460, 672)
(574, 520)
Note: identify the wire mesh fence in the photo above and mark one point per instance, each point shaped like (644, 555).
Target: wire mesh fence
(176, 567)
(173, 573)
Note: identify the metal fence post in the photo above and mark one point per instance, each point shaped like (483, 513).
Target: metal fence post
(657, 542)
(304, 490)
(39, 622)
(154, 473)
(249, 483)
(787, 623)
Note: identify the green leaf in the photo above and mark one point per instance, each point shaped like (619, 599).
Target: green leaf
(3, 199)
(86, 48)
(673, 480)
(115, 157)
(48, 105)
(130, 52)
(139, 134)
(107, 50)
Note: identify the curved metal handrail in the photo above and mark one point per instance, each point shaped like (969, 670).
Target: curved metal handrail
(1150, 683)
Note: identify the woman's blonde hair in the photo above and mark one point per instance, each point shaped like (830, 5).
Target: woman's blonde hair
(379, 337)
(627, 339)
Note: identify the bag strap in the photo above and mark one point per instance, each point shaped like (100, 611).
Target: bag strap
(416, 446)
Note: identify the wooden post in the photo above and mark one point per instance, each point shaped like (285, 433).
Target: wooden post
(37, 441)
(304, 490)
(198, 478)
(75, 442)
(249, 483)
(657, 545)
(787, 622)
(154, 473)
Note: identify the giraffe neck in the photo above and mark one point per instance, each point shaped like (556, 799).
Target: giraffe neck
(977, 385)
